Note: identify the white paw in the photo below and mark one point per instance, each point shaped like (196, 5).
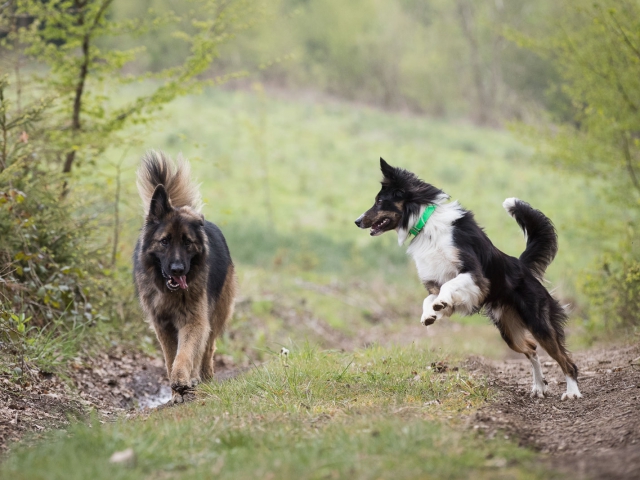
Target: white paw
(571, 396)
(573, 392)
(443, 305)
(538, 392)
(429, 316)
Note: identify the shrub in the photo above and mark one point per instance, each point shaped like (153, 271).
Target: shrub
(614, 291)
(52, 279)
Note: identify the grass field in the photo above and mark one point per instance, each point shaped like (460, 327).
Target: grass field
(373, 413)
(285, 178)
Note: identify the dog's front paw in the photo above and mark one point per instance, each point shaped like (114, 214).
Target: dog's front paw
(176, 398)
(181, 387)
(180, 382)
(429, 316)
(427, 320)
(195, 382)
(439, 305)
(444, 307)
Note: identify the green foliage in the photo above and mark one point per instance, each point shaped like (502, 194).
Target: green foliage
(52, 283)
(614, 291)
(596, 48)
(437, 56)
(73, 40)
(62, 111)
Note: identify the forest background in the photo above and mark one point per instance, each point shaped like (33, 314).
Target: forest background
(283, 107)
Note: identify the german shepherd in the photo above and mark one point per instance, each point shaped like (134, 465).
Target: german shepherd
(465, 273)
(183, 272)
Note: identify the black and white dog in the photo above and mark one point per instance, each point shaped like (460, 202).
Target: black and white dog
(465, 273)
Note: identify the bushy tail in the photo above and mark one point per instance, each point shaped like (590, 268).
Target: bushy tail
(158, 169)
(542, 240)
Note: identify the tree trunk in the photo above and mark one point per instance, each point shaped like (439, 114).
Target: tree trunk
(483, 98)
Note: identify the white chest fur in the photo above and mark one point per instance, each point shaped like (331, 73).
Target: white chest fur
(433, 250)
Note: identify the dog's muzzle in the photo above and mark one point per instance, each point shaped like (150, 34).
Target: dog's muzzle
(358, 221)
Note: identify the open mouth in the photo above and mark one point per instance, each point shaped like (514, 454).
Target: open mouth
(378, 227)
(175, 283)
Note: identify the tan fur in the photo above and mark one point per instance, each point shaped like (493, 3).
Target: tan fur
(181, 190)
(222, 313)
(513, 331)
(555, 349)
(187, 335)
(187, 322)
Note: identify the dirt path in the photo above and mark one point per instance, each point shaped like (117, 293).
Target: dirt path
(595, 437)
(112, 383)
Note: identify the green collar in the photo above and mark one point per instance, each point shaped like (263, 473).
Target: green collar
(422, 221)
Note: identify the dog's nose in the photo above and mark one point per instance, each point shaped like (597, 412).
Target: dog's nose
(358, 221)
(177, 268)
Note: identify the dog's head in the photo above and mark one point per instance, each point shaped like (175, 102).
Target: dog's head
(174, 240)
(401, 196)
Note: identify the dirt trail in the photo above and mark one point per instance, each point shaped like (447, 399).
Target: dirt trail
(110, 383)
(596, 437)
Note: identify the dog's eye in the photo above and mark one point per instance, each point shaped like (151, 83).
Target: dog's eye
(164, 242)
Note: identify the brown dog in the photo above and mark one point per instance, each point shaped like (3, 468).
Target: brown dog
(183, 272)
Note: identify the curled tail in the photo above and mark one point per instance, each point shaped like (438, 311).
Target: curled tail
(542, 240)
(158, 169)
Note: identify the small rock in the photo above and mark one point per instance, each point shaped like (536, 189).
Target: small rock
(127, 457)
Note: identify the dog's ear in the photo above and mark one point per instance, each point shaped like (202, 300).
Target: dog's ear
(387, 170)
(160, 204)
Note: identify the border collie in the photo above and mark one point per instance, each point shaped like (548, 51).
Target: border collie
(465, 273)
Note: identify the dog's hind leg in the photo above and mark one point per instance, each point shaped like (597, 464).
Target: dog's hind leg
(207, 367)
(518, 338)
(548, 332)
(539, 387)
(222, 313)
(556, 349)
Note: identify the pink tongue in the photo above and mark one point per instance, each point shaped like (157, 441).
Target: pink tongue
(182, 281)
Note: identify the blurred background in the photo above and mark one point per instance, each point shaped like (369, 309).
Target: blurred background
(283, 108)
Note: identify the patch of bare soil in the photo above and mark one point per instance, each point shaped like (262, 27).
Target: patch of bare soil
(597, 436)
(110, 384)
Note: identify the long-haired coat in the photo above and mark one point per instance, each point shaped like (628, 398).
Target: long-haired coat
(183, 272)
(465, 273)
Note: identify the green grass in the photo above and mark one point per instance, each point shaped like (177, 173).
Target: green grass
(373, 413)
(319, 164)
(285, 178)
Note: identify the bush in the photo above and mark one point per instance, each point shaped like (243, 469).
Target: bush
(614, 291)
(52, 280)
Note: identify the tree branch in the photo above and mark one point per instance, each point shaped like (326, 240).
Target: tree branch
(84, 71)
(627, 156)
